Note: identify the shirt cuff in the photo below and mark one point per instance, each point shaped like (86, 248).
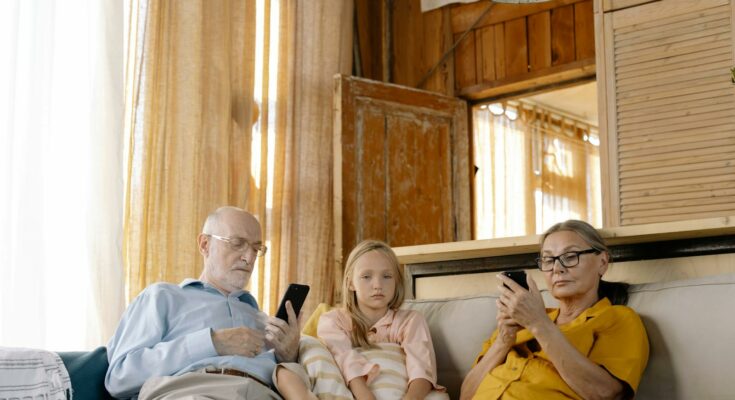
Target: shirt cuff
(199, 345)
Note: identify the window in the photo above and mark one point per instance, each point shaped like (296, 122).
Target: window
(535, 166)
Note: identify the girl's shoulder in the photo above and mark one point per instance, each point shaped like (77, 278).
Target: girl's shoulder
(403, 316)
(336, 316)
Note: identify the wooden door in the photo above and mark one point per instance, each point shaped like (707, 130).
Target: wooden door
(667, 114)
(401, 166)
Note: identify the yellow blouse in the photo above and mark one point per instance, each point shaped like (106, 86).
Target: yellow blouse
(611, 336)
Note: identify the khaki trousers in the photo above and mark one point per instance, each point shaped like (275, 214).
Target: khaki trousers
(200, 386)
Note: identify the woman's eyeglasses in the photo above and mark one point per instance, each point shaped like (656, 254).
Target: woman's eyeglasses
(567, 260)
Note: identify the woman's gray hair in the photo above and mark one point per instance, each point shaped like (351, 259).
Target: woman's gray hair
(616, 292)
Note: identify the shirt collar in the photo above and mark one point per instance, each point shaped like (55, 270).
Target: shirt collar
(204, 285)
(386, 319)
(596, 309)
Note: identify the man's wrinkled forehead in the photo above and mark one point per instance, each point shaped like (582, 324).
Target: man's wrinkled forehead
(240, 224)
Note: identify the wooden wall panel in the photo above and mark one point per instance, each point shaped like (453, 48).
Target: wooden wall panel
(539, 49)
(418, 42)
(370, 20)
(516, 47)
(562, 35)
(485, 54)
(584, 30)
(466, 65)
(534, 45)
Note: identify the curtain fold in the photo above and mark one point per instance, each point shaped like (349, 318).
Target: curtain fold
(61, 173)
(231, 103)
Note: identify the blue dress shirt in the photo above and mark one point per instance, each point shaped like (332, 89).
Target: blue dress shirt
(166, 331)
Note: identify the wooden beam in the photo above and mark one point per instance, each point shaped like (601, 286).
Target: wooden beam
(577, 70)
(645, 233)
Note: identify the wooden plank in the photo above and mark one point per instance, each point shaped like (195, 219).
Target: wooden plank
(677, 62)
(371, 177)
(584, 30)
(464, 62)
(486, 42)
(608, 103)
(676, 40)
(681, 175)
(369, 20)
(478, 54)
(562, 35)
(681, 182)
(675, 155)
(684, 210)
(672, 218)
(697, 187)
(678, 48)
(698, 194)
(529, 244)
(678, 203)
(516, 48)
(727, 153)
(640, 17)
(722, 116)
(572, 72)
(706, 69)
(685, 26)
(680, 109)
(632, 138)
(463, 16)
(677, 91)
(539, 41)
(660, 104)
(613, 5)
(500, 51)
(684, 123)
(682, 167)
(670, 149)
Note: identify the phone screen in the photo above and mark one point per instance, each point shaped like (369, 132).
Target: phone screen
(518, 277)
(296, 294)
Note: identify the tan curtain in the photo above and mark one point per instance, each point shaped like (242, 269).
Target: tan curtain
(230, 103)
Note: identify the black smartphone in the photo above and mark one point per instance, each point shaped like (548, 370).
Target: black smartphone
(518, 277)
(296, 294)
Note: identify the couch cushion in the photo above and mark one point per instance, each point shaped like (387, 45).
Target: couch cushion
(458, 328)
(87, 371)
(690, 328)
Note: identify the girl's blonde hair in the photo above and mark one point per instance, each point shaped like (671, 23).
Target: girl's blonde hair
(360, 324)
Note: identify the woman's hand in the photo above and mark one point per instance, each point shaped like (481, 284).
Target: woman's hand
(507, 329)
(524, 307)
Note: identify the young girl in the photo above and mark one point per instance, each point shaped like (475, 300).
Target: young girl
(372, 291)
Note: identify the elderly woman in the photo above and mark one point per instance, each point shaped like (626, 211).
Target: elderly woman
(591, 347)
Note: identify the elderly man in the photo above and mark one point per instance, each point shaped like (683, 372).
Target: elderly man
(204, 338)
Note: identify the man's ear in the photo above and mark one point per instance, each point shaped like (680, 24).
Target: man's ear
(203, 244)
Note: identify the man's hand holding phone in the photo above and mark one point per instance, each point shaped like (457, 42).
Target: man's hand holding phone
(284, 336)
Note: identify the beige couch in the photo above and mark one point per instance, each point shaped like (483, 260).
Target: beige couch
(690, 325)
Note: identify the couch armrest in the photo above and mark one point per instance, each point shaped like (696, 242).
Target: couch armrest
(87, 371)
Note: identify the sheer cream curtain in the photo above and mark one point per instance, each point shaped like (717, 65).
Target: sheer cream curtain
(230, 102)
(61, 184)
(535, 169)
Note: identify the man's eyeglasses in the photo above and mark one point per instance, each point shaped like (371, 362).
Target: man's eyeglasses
(240, 244)
(567, 260)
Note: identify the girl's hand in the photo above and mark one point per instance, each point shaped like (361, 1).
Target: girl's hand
(525, 307)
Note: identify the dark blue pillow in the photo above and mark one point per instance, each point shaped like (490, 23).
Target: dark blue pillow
(87, 371)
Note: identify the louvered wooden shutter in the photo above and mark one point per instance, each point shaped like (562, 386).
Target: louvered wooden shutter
(669, 112)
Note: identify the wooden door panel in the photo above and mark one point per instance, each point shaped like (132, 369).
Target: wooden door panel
(401, 166)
